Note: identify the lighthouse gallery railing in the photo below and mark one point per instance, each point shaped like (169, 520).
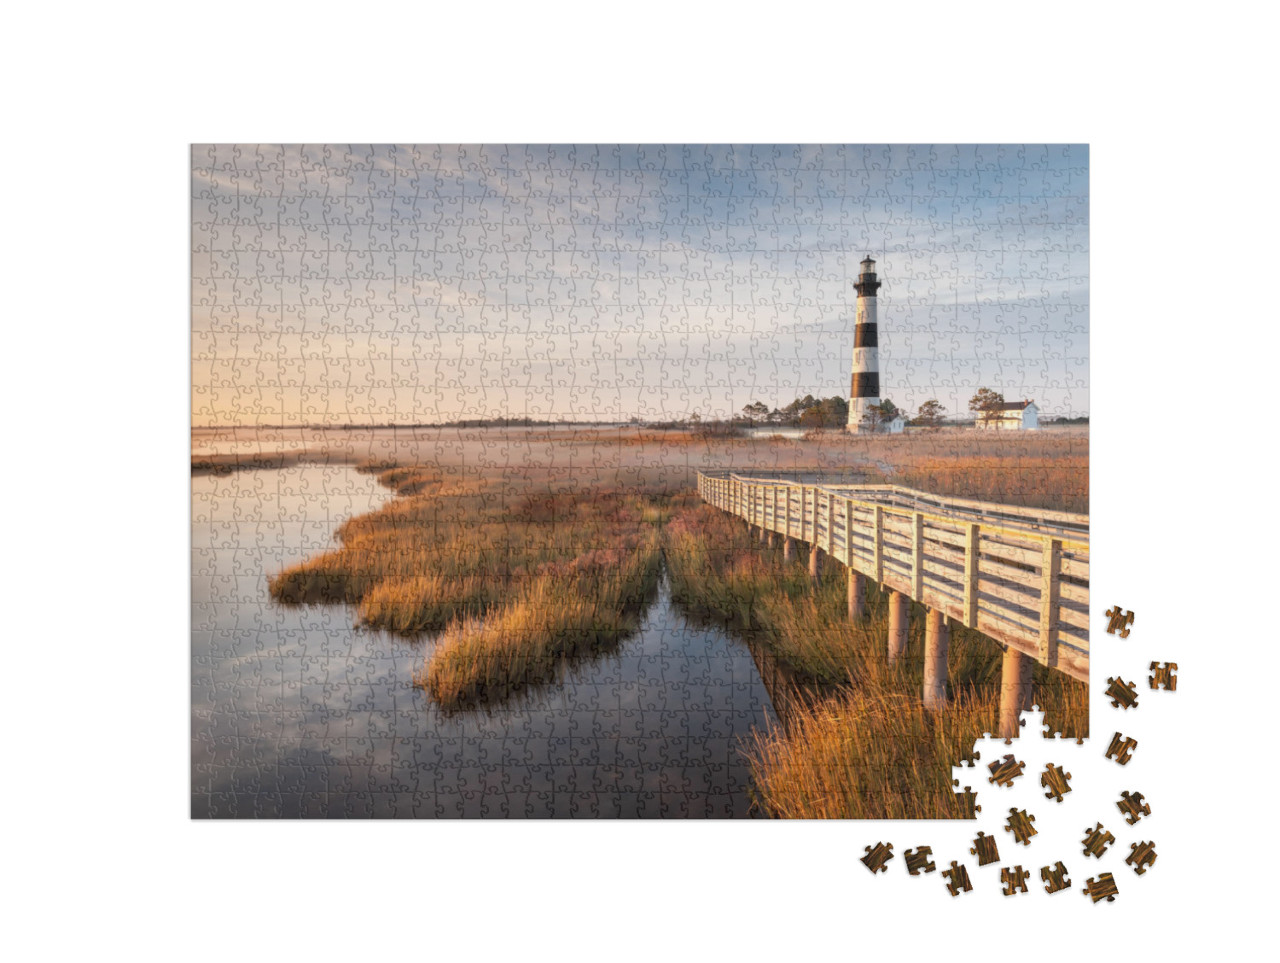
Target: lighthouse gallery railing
(1017, 575)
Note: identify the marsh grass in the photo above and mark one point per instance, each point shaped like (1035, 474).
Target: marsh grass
(866, 746)
(515, 578)
(591, 604)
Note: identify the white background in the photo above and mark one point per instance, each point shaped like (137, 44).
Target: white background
(103, 102)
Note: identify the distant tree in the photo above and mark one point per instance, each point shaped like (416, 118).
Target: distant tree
(695, 419)
(757, 411)
(930, 414)
(985, 403)
(812, 418)
(836, 411)
(877, 416)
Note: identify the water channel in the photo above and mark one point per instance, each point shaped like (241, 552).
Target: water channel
(295, 713)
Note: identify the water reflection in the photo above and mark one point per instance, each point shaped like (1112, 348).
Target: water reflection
(295, 713)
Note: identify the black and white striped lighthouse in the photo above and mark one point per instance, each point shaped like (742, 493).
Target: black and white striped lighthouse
(864, 389)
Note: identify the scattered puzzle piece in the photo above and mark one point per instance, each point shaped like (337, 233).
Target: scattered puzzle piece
(877, 857)
(1005, 771)
(1141, 856)
(984, 847)
(1096, 841)
(1133, 804)
(1014, 879)
(1054, 879)
(1104, 887)
(959, 878)
(1055, 780)
(918, 860)
(1123, 694)
(1121, 747)
(1020, 826)
(1119, 622)
(1164, 676)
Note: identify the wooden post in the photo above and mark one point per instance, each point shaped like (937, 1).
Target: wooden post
(899, 614)
(971, 576)
(937, 638)
(877, 558)
(857, 593)
(815, 562)
(1015, 690)
(831, 520)
(917, 556)
(1050, 569)
(788, 548)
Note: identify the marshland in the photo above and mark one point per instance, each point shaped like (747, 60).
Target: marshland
(547, 621)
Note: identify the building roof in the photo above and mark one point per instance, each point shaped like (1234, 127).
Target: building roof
(1010, 406)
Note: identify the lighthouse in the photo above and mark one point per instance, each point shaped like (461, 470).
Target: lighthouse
(864, 390)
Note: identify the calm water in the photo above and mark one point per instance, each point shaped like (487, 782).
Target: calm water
(295, 713)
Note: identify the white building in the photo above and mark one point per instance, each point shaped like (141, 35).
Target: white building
(1011, 416)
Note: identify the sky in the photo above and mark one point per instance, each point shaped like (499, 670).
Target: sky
(412, 284)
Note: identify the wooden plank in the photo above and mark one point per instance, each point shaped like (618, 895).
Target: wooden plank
(1049, 603)
(1071, 615)
(1073, 593)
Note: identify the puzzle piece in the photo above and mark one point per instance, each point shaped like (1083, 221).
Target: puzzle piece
(877, 857)
(1014, 879)
(1104, 887)
(1133, 804)
(918, 860)
(1055, 780)
(1123, 694)
(1142, 855)
(984, 847)
(1119, 621)
(1055, 879)
(1121, 747)
(958, 878)
(968, 800)
(1004, 772)
(1096, 841)
(1164, 676)
(1020, 825)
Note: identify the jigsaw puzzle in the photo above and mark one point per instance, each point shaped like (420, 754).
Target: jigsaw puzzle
(1096, 841)
(1055, 879)
(1121, 748)
(957, 879)
(1014, 880)
(877, 857)
(1132, 804)
(918, 860)
(544, 481)
(1103, 887)
(1142, 856)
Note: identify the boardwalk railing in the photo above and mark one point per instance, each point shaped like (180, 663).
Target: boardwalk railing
(1017, 575)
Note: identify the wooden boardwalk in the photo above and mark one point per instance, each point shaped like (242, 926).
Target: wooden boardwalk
(1017, 575)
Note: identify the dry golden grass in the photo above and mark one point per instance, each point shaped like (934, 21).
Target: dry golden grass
(523, 640)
